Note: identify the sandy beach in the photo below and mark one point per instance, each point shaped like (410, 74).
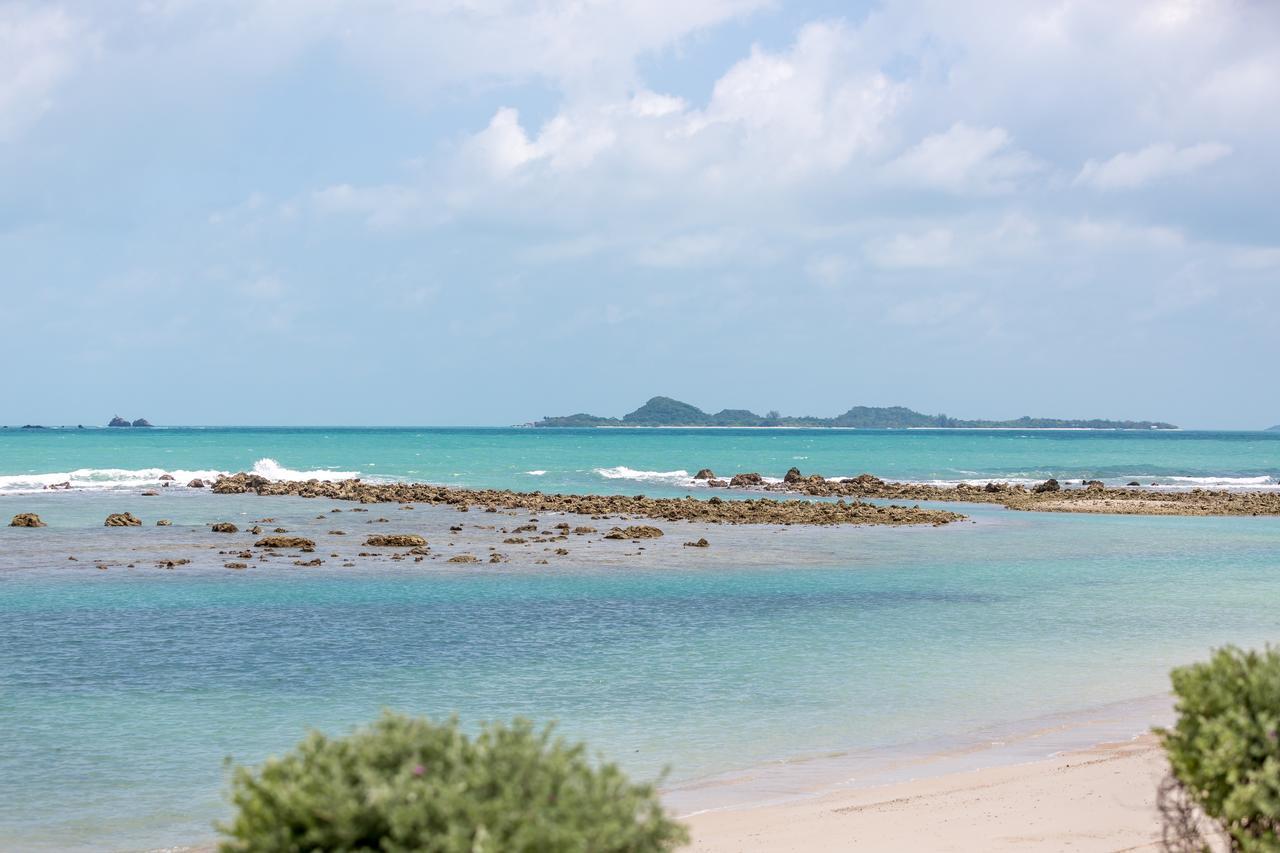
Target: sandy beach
(1098, 799)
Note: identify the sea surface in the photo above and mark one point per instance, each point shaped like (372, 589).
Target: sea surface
(598, 460)
(777, 662)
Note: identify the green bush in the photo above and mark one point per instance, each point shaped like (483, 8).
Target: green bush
(405, 784)
(1224, 750)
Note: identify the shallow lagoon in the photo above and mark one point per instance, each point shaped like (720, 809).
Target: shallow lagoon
(124, 688)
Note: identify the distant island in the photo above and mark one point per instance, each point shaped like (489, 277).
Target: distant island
(666, 412)
(118, 421)
(1275, 428)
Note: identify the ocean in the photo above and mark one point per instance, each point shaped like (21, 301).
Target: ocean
(777, 662)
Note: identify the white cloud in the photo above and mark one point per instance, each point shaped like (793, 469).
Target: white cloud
(40, 47)
(380, 206)
(690, 250)
(930, 310)
(1119, 234)
(828, 269)
(771, 118)
(933, 248)
(964, 159)
(1132, 169)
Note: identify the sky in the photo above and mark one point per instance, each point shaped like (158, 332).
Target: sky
(485, 211)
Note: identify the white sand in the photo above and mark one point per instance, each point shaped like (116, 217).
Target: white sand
(1100, 799)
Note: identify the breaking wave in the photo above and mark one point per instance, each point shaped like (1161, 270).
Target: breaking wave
(273, 470)
(101, 479)
(1225, 482)
(683, 479)
(680, 478)
(671, 478)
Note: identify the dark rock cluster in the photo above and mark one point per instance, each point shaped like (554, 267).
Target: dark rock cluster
(715, 510)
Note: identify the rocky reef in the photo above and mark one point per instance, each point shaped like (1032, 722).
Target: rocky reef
(715, 510)
(1090, 496)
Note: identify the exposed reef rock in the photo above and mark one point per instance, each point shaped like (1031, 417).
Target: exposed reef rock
(122, 519)
(26, 519)
(746, 480)
(713, 510)
(701, 543)
(1050, 496)
(284, 542)
(225, 527)
(395, 540)
(635, 531)
(705, 474)
(197, 483)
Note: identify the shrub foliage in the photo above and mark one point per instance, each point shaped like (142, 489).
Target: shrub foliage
(1224, 750)
(405, 784)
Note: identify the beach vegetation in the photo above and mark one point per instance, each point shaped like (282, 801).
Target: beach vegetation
(1224, 751)
(410, 784)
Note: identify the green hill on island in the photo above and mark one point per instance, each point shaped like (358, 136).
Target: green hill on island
(664, 411)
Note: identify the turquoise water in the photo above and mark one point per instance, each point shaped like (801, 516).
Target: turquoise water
(122, 691)
(597, 460)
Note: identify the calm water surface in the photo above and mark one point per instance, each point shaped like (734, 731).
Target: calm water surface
(122, 691)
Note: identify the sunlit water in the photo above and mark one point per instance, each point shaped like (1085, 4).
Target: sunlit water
(122, 690)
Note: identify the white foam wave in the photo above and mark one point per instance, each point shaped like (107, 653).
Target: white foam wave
(622, 472)
(981, 481)
(273, 470)
(1224, 481)
(680, 478)
(101, 478)
(535, 473)
(1158, 482)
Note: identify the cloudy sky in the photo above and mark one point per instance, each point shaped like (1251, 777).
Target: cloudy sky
(483, 211)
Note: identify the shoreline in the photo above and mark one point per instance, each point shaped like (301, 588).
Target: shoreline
(804, 778)
(1100, 798)
(1082, 780)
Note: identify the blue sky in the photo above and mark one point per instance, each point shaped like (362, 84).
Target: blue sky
(481, 211)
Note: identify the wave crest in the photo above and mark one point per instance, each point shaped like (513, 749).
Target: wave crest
(273, 470)
(622, 472)
(102, 479)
